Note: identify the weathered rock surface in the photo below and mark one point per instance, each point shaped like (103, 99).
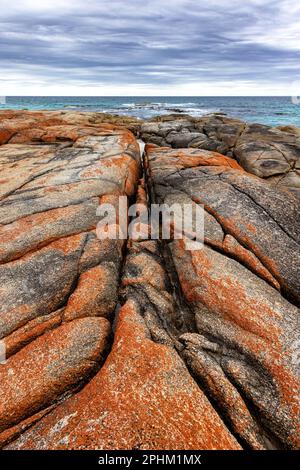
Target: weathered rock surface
(143, 398)
(57, 279)
(244, 345)
(49, 367)
(179, 134)
(268, 152)
(116, 344)
(13, 122)
(271, 153)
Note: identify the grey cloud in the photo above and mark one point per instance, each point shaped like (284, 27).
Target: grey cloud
(149, 42)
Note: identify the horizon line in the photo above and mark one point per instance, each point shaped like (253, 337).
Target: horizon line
(147, 96)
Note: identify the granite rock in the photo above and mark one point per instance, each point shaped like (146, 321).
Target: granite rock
(270, 153)
(143, 343)
(242, 289)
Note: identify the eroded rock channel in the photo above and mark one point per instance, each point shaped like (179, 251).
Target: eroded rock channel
(123, 344)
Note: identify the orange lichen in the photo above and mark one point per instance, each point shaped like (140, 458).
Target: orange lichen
(92, 295)
(143, 397)
(244, 256)
(191, 158)
(4, 136)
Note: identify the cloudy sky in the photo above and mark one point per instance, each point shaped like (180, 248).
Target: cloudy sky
(149, 47)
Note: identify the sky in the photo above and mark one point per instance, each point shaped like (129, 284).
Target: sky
(149, 48)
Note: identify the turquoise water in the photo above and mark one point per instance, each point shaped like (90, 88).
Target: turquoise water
(267, 110)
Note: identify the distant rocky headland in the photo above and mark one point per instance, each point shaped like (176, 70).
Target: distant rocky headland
(142, 344)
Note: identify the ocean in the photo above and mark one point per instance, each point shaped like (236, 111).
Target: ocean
(272, 111)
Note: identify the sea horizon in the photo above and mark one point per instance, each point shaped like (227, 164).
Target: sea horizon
(268, 110)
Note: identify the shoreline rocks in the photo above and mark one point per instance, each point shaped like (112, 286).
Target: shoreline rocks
(246, 331)
(270, 153)
(143, 344)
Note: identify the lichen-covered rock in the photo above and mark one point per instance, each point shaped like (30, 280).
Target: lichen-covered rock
(14, 121)
(244, 345)
(261, 219)
(57, 279)
(271, 153)
(142, 398)
(48, 220)
(49, 367)
(205, 350)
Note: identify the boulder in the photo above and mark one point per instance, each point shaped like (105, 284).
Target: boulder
(143, 397)
(58, 280)
(270, 153)
(242, 289)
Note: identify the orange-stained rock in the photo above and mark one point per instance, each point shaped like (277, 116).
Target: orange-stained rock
(55, 274)
(254, 324)
(143, 398)
(205, 346)
(19, 120)
(233, 248)
(49, 196)
(37, 230)
(198, 354)
(268, 152)
(242, 289)
(38, 283)
(4, 136)
(49, 367)
(189, 158)
(31, 330)
(261, 219)
(96, 293)
(10, 434)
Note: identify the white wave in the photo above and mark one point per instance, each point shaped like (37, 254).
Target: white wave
(183, 105)
(156, 104)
